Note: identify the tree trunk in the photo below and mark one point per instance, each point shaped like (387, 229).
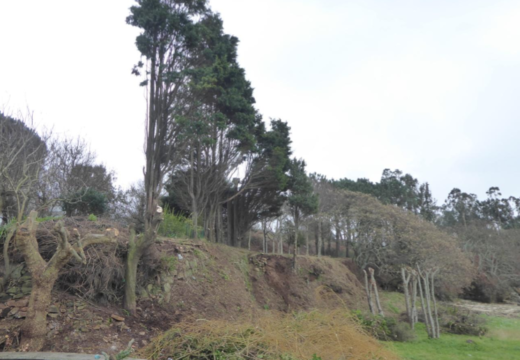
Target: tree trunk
(132, 259)
(307, 240)
(135, 251)
(427, 293)
(376, 292)
(369, 294)
(319, 239)
(34, 328)
(264, 241)
(7, 266)
(436, 315)
(347, 253)
(426, 318)
(338, 238)
(406, 281)
(296, 232)
(414, 299)
(44, 274)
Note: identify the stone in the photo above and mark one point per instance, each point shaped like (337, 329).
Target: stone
(18, 303)
(14, 311)
(26, 290)
(167, 287)
(54, 316)
(53, 309)
(16, 273)
(20, 315)
(5, 312)
(117, 317)
(13, 290)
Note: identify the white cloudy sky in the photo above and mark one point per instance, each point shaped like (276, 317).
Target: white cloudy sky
(429, 87)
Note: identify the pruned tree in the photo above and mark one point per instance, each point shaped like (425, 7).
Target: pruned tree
(409, 277)
(44, 273)
(373, 284)
(427, 277)
(368, 291)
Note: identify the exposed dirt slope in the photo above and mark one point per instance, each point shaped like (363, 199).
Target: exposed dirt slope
(193, 280)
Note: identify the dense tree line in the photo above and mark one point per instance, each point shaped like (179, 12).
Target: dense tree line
(486, 230)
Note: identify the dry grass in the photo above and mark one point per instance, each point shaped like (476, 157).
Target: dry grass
(304, 335)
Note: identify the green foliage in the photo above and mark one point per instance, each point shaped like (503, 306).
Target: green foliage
(302, 199)
(398, 189)
(92, 217)
(4, 228)
(385, 328)
(501, 343)
(462, 322)
(84, 202)
(177, 225)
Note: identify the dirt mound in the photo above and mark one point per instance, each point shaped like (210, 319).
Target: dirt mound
(190, 280)
(214, 281)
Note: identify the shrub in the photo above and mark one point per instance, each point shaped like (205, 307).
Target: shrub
(385, 328)
(84, 202)
(272, 336)
(462, 322)
(176, 225)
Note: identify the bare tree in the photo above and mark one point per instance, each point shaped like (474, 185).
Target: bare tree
(22, 157)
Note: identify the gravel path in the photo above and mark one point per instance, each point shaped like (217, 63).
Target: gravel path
(503, 310)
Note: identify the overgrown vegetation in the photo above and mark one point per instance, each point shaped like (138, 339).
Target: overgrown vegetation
(385, 328)
(454, 320)
(177, 225)
(316, 334)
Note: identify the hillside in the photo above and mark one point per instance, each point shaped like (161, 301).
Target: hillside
(194, 280)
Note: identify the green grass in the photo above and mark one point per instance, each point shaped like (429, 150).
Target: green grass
(501, 343)
(393, 302)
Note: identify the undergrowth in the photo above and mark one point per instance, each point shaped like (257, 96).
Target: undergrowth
(313, 335)
(177, 226)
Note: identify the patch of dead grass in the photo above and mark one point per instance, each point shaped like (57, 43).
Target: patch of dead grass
(333, 334)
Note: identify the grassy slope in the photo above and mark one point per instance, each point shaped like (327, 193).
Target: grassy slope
(501, 343)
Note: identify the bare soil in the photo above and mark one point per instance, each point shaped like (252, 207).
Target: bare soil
(510, 310)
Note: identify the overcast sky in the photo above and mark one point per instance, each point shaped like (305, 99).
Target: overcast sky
(428, 87)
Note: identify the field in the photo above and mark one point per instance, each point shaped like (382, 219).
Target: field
(501, 343)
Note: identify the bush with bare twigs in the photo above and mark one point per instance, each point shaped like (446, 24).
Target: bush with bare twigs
(317, 334)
